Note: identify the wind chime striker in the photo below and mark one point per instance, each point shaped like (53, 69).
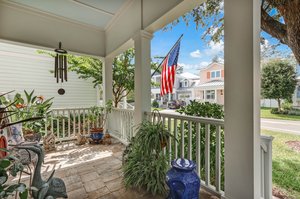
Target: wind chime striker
(61, 67)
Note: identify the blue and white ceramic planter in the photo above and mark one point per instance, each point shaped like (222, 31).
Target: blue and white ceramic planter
(183, 181)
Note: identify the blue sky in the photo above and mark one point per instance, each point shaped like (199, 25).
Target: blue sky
(194, 53)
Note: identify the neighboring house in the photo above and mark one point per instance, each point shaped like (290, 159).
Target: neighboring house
(23, 68)
(182, 90)
(296, 97)
(211, 85)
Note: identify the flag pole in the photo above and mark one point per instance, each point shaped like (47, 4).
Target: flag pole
(167, 55)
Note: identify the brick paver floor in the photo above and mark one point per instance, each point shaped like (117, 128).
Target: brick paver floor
(92, 171)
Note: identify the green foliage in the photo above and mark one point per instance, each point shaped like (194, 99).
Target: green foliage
(144, 163)
(96, 111)
(278, 80)
(87, 68)
(155, 104)
(204, 110)
(123, 75)
(29, 107)
(11, 165)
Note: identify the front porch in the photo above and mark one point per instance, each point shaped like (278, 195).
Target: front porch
(247, 159)
(92, 171)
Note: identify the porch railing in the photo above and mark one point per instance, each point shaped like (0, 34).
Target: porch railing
(66, 123)
(199, 139)
(120, 124)
(195, 137)
(202, 140)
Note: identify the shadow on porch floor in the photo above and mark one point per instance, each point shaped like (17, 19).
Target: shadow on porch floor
(93, 171)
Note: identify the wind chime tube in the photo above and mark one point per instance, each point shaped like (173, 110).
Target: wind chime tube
(65, 67)
(55, 66)
(61, 68)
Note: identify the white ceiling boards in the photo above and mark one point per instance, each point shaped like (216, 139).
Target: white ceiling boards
(92, 12)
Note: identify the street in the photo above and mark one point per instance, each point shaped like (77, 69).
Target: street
(284, 126)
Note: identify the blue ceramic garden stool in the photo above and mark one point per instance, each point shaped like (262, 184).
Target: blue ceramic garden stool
(183, 180)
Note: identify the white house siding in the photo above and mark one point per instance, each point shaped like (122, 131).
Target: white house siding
(22, 68)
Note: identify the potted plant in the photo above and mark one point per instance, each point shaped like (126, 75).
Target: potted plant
(31, 106)
(144, 159)
(98, 116)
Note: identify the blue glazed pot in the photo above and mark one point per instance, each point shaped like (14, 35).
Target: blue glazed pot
(183, 181)
(97, 134)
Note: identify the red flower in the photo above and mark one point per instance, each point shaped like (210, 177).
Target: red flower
(40, 98)
(19, 105)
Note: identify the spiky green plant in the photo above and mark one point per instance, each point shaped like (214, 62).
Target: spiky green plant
(144, 163)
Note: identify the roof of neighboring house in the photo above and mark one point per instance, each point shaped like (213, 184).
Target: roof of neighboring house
(188, 75)
(212, 84)
(210, 65)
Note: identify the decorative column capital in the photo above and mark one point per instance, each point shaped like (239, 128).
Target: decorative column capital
(142, 34)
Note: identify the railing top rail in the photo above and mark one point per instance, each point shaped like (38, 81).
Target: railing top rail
(123, 110)
(75, 108)
(192, 118)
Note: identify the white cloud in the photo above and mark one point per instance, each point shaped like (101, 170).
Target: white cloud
(214, 48)
(189, 66)
(196, 53)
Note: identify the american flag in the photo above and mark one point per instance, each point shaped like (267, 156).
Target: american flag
(169, 70)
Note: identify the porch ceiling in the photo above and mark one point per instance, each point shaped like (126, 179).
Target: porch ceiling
(93, 27)
(97, 13)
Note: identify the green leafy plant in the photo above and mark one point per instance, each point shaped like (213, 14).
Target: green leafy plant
(31, 106)
(10, 165)
(99, 111)
(144, 163)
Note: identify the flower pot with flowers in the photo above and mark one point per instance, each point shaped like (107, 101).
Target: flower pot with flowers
(97, 117)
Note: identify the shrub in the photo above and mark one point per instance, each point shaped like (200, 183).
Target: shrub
(276, 111)
(294, 112)
(155, 104)
(210, 110)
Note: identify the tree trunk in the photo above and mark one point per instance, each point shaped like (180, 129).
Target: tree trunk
(279, 104)
(288, 32)
(116, 102)
(291, 15)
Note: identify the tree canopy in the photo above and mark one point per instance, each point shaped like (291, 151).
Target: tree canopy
(278, 80)
(279, 18)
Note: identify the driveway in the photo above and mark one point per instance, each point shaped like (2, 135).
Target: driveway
(284, 126)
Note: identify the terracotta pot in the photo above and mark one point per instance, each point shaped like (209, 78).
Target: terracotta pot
(96, 130)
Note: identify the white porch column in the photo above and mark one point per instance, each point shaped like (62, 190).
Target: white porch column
(107, 79)
(242, 99)
(142, 75)
(216, 96)
(107, 86)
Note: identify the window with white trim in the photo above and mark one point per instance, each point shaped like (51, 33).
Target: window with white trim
(215, 74)
(186, 83)
(210, 94)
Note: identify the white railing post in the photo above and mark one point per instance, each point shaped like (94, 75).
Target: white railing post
(266, 167)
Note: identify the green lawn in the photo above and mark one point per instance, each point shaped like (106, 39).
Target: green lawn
(286, 164)
(266, 113)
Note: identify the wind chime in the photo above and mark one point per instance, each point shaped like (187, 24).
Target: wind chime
(61, 67)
